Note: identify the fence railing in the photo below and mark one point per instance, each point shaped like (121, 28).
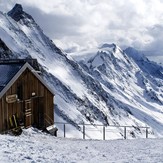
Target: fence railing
(105, 132)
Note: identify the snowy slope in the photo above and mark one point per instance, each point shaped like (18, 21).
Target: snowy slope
(72, 86)
(134, 85)
(33, 146)
(105, 87)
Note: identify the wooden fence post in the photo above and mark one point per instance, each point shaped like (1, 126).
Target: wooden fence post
(146, 132)
(83, 131)
(124, 132)
(64, 129)
(103, 132)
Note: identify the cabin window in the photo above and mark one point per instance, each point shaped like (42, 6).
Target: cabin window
(20, 92)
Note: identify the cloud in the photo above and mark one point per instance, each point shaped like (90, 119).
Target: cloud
(79, 24)
(155, 45)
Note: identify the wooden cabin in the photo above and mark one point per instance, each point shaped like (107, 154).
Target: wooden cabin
(25, 98)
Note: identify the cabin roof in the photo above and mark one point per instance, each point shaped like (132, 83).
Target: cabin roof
(7, 72)
(10, 71)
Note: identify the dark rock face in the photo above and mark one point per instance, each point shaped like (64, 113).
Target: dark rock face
(5, 52)
(3, 46)
(17, 13)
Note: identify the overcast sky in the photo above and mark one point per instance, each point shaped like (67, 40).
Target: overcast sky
(80, 24)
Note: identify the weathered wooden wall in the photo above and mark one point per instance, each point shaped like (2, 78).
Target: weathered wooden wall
(29, 83)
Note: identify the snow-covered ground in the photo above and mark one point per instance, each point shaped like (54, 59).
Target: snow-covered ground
(34, 146)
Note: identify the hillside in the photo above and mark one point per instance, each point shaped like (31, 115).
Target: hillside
(103, 86)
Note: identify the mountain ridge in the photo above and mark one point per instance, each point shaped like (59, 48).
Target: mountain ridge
(108, 87)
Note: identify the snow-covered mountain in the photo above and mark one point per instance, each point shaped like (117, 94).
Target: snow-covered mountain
(133, 85)
(100, 86)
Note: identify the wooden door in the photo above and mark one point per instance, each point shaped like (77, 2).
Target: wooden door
(28, 113)
(38, 112)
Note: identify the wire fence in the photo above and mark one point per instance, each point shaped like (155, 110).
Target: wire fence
(96, 131)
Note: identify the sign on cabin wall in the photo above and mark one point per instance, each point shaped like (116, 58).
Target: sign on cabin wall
(11, 98)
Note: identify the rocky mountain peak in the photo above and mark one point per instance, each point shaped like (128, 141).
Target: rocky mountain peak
(17, 13)
(106, 45)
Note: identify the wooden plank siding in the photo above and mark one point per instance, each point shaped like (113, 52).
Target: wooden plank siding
(27, 83)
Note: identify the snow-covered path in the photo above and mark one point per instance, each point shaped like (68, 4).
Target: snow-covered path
(32, 147)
